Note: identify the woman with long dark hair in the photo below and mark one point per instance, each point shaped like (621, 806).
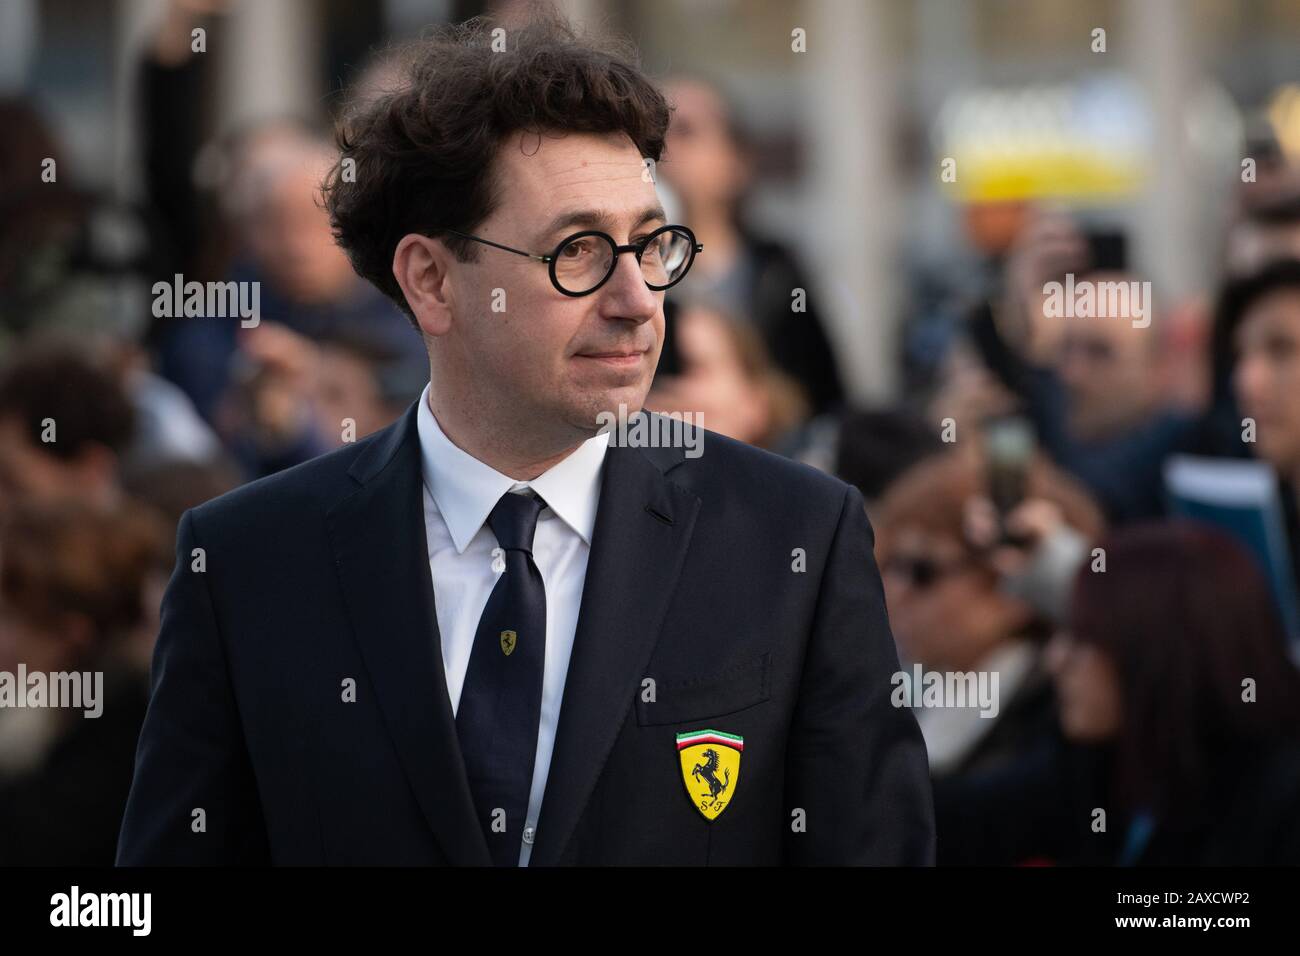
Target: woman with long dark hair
(1179, 721)
(1178, 662)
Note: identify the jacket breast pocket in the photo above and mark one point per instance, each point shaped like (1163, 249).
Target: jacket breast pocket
(694, 699)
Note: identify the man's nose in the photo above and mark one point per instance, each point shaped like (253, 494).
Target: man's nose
(626, 294)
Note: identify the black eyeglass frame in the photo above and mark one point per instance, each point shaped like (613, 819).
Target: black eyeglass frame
(636, 248)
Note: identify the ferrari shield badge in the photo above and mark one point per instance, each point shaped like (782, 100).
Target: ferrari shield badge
(710, 765)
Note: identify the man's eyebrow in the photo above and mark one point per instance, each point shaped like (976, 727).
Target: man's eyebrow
(599, 219)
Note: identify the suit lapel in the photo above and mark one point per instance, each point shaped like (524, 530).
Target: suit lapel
(643, 527)
(381, 552)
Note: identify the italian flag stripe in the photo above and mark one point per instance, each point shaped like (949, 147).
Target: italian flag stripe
(710, 737)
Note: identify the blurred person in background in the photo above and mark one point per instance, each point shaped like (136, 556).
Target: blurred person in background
(871, 449)
(70, 260)
(72, 590)
(1192, 689)
(170, 488)
(1096, 388)
(361, 378)
(266, 415)
(1117, 428)
(176, 107)
(65, 424)
(708, 163)
(307, 289)
(1265, 233)
(42, 227)
(55, 272)
(955, 606)
(1258, 353)
(726, 375)
(167, 427)
(1180, 718)
(989, 366)
(1266, 215)
(296, 397)
(78, 416)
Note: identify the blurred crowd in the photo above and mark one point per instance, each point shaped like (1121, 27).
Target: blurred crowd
(1016, 487)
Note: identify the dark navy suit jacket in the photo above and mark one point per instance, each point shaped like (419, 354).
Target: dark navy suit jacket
(251, 753)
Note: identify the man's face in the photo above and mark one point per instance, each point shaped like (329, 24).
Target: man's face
(1108, 367)
(1267, 376)
(517, 343)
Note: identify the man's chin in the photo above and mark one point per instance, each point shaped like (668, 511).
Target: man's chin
(609, 407)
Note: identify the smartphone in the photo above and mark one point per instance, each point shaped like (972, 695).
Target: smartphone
(1107, 250)
(1009, 448)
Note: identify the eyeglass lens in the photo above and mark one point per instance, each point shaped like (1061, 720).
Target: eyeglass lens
(585, 261)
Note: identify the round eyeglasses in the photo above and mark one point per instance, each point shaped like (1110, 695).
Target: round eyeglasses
(584, 261)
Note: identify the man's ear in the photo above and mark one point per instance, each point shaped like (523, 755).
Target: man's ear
(421, 266)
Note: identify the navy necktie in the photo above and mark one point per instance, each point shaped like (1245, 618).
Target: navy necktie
(501, 702)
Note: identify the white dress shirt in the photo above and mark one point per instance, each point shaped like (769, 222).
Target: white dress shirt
(459, 493)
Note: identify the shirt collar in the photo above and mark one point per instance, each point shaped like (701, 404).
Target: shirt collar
(466, 490)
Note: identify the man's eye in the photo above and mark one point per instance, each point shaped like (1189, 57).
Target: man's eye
(576, 248)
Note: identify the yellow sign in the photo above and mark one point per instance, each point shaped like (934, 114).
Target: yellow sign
(710, 767)
(508, 641)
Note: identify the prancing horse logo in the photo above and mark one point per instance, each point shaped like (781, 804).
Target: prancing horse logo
(708, 772)
(710, 762)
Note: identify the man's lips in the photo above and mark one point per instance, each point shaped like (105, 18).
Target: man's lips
(616, 356)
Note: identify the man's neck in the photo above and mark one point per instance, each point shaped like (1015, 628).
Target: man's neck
(519, 464)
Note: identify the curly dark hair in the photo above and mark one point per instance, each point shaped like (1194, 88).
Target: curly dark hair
(423, 152)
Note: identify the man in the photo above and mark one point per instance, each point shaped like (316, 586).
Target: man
(244, 378)
(488, 634)
(1115, 427)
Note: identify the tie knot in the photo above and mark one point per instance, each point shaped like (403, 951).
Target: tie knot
(514, 519)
